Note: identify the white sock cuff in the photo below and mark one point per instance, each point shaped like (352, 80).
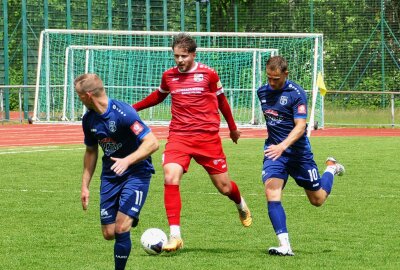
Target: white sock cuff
(175, 230)
(331, 169)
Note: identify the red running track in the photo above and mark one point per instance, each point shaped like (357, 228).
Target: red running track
(59, 134)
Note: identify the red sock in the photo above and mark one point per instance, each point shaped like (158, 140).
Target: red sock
(235, 193)
(172, 203)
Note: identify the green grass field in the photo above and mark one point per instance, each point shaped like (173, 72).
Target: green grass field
(43, 226)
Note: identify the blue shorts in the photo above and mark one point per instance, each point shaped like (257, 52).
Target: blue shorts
(126, 195)
(304, 171)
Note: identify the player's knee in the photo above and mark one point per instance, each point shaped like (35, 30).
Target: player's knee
(225, 190)
(108, 235)
(317, 201)
(122, 228)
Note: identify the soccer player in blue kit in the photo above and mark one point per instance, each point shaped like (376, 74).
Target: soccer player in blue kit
(287, 150)
(127, 144)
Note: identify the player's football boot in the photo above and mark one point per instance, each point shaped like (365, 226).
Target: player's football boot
(281, 251)
(173, 244)
(245, 214)
(339, 171)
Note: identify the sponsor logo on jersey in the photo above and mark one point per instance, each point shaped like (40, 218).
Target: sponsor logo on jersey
(109, 146)
(219, 84)
(272, 117)
(198, 77)
(316, 185)
(190, 90)
(175, 79)
(271, 112)
(93, 130)
(137, 128)
(301, 109)
(134, 209)
(283, 100)
(112, 126)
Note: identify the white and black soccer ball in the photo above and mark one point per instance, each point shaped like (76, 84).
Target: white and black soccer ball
(152, 241)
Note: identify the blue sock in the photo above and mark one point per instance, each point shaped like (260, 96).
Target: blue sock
(122, 249)
(327, 182)
(277, 216)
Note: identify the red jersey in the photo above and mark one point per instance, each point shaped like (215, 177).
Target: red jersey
(194, 93)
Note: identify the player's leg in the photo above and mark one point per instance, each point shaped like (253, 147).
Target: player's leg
(277, 215)
(229, 188)
(176, 161)
(209, 153)
(131, 200)
(123, 243)
(318, 197)
(274, 177)
(108, 207)
(110, 216)
(173, 173)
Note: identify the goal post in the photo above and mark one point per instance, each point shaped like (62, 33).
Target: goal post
(303, 51)
(122, 70)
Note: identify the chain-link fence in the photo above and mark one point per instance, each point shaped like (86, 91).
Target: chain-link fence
(361, 37)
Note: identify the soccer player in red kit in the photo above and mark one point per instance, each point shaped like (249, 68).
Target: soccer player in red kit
(196, 94)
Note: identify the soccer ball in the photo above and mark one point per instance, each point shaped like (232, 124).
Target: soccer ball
(152, 241)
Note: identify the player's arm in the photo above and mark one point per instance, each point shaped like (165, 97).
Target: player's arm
(225, 109)
(275, 151)
(153, 99)
(89, 166)
(148, 146)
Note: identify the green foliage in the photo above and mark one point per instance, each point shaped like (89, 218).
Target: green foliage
(352, 33)
(47, 229)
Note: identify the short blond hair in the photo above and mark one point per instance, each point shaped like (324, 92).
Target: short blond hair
(89, 82)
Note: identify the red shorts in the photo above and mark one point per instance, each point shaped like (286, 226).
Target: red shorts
(205, 149)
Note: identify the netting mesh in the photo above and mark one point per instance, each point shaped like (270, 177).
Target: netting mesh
(300, 51)
(127, 76)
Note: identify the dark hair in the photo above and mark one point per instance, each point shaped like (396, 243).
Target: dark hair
(277, 63)
(185, 41)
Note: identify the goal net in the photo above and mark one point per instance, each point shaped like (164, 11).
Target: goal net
(131, 74)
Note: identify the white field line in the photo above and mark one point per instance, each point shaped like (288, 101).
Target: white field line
(389, 196)
(49, 149)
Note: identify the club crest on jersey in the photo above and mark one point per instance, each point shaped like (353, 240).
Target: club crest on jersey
(283, 100)
(112, 126)
(198, 77)
(136, 128)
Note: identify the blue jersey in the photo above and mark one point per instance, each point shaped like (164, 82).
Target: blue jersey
(280, 108)
(119, 132)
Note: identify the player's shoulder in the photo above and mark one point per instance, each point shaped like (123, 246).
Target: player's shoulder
(262, 89)
(294, 88)
(205, 68)
(120, 107)
(87, 115)
(291, 85)
(172, 70)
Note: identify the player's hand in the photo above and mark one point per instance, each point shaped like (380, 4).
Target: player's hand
(85, 198)
(235, 135)
(120, 165)
(274, 151)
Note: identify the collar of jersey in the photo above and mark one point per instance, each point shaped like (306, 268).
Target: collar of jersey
(284, 88)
